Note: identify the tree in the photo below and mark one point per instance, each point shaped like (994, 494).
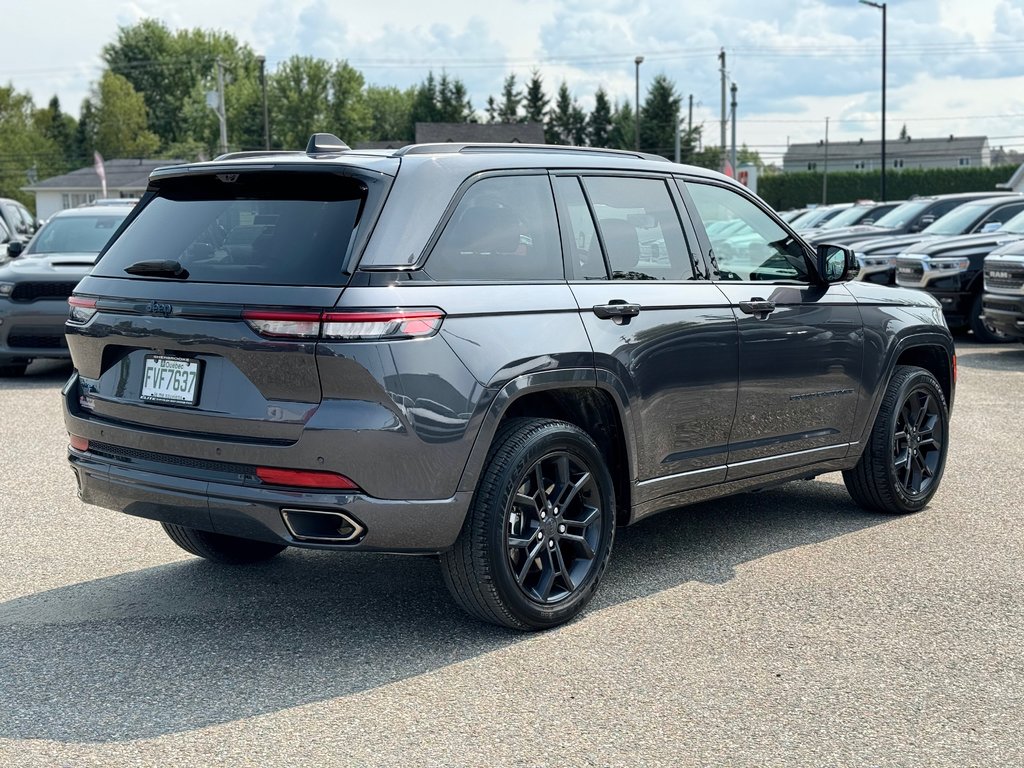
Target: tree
(567, 122)
(301, 88)
(536, 101)
(904, 136)
(425, 107)
(390, 113)
(510, 101)
(659, 117)
(121, 119)
(59, 128)
(24, 149)
(491, 111)
(599, 124)
(349, 115)
(623, 127)
(441, 101)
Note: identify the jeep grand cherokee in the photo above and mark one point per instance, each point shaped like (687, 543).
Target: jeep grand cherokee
(493, 353)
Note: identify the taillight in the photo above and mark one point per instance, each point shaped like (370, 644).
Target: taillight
(358, 325)
(287, 324)
(81, 310)
(954, 368)
(304, 478)
(385, 324)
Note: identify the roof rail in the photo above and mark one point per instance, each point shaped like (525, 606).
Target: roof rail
(325, 142)
(458, 147)
(255, 153)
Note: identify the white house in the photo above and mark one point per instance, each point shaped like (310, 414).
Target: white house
(126, 177)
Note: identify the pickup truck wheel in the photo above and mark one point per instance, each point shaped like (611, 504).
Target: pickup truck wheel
(983, 331)
(229, 550)
(902, 464)
(539, 533)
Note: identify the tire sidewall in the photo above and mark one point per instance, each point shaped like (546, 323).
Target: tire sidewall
(551, 438)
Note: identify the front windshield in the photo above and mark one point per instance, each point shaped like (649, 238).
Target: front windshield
(958, 221)
(1015, 225)
(850, 216)
(901, 215)
(75, 234)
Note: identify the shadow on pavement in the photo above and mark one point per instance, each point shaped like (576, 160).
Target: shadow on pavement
(186, 645)
(39, 375)
(998, 358)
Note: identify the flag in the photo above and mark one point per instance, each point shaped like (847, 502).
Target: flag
(727, 170)
(100, 171)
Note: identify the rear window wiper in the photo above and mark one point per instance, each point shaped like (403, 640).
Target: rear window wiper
(161, 268)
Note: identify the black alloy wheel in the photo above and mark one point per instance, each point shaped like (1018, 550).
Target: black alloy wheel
(553, 528)
(918, 442)
(538, 535)
(902, 463)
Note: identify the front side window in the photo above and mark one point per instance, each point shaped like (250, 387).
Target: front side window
(748, 244)
(504, 229)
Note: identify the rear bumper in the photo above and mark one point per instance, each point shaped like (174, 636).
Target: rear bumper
(1005, 313)
(255, 512)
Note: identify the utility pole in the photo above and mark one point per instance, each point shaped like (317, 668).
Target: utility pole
(266, 116)
(721, 57)
(638, 61)
(824, 178)
(679, 130)
(882, 8)
(221, 109)
(689, 121)
(735, 173)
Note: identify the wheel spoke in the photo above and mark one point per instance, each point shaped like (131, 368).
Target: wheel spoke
(593, 513)
(573, 490)
(562, 570)
(923, 411)
(588, 551)
(547, 579)
(530, 558)
(529, 501)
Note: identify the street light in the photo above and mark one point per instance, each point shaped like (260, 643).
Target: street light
(638, 61)
(882, 7)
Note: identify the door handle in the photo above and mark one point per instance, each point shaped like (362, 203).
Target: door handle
(758, 307)
(617, 310)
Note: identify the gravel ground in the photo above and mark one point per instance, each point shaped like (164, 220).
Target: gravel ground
(780, 628)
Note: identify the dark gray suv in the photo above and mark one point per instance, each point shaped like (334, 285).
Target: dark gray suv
(494, 353)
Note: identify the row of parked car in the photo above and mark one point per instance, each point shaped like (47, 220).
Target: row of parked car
(966, 249)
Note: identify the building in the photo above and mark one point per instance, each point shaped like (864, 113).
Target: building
(126, 177)
(900, 154)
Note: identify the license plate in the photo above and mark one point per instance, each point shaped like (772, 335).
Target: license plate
(171, 380)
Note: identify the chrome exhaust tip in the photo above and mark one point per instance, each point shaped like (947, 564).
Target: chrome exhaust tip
(320, 527)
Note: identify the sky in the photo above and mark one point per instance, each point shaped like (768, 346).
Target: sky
(953, 66)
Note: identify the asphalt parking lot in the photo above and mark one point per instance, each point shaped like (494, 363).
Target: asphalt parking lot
(781, 628)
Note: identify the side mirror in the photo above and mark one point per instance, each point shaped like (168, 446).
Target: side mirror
(835, 263)
(923, 222)
(14, 248)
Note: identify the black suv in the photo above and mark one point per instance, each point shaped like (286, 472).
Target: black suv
(495, 353)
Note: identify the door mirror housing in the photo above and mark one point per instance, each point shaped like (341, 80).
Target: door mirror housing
(835, 263)
(923, 222)
(14, 248)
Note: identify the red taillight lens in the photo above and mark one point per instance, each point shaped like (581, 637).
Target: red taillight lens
(81, 310)
(358, 325)
(78, 443)
(285, 324)
(384, 324)
(302, 478)
(954, 369)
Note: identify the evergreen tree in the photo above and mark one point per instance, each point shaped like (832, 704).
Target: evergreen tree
(599, 124)
(567, 122)
(536, 101)
(425, 103)
(59, 128)
(492, 110)
(659, 117)
(510, 101)
(623, 126)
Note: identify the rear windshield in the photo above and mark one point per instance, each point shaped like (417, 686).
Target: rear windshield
(260, 228)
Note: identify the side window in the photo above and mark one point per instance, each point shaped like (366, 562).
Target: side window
(749, 245)
(942, 208)
(26, 219)
(504, 228)
(1005, 213)
(640, 228)
(585, 259)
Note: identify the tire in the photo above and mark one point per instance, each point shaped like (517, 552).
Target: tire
(984, 332)
(229, 550)
(539, 532)
(12, 370)
(902, 464)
